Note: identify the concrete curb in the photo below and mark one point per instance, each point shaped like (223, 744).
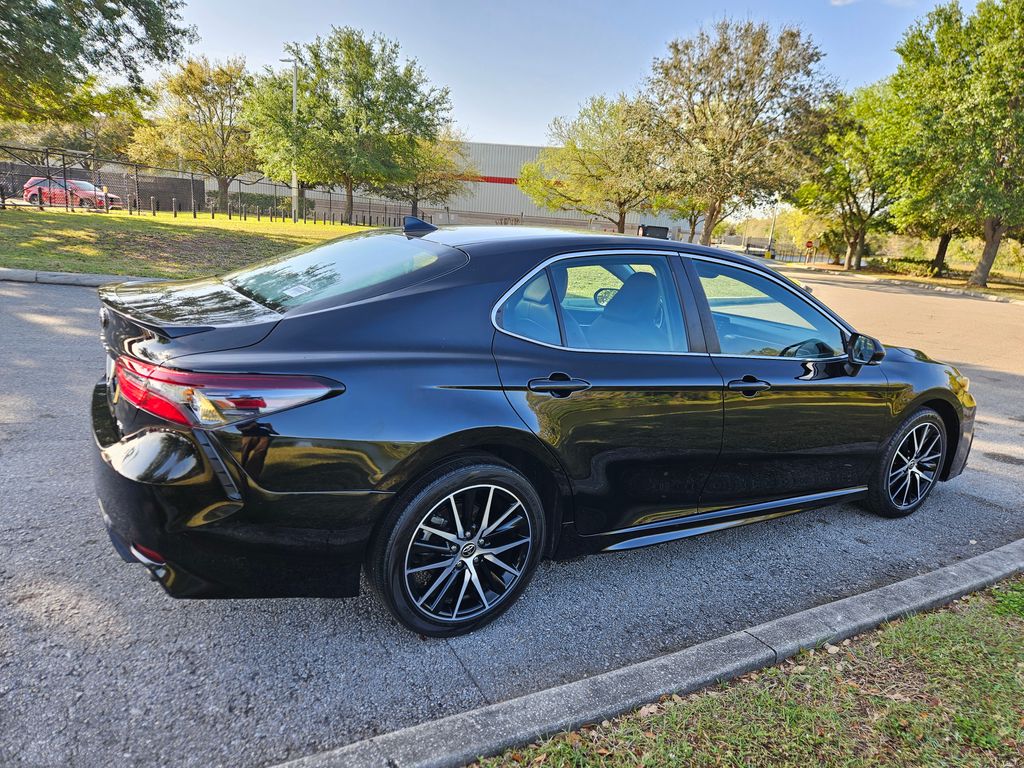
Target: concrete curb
(462, 738)
(85, 279)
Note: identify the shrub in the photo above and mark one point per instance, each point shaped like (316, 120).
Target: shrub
(901, 266)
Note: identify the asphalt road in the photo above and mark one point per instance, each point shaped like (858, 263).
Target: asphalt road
(98, 667)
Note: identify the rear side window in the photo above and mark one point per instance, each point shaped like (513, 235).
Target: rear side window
(345, 270)
(608, 303)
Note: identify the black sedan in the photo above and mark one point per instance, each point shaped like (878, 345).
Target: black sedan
(444, 407)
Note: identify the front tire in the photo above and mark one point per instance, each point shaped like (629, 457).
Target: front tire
(458, 548)
(910, 466)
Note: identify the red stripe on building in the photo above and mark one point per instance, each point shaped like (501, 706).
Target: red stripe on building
(497, 179)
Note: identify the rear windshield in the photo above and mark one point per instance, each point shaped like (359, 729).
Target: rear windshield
(349, 269)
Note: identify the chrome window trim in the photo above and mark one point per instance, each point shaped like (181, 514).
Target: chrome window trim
(666, 253)
(844, 329)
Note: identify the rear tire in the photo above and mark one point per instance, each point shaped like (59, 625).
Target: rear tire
(458, 548)
(910, 466)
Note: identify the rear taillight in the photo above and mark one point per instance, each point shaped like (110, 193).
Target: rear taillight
(212, 399)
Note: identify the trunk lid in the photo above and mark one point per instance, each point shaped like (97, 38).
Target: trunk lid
(159, 321)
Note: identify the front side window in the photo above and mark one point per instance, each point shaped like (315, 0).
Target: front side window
(755, 316)
(616, 303)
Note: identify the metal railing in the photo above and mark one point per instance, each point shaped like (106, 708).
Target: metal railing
(786, 252)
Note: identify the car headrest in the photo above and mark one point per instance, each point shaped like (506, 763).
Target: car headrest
(637, 297)
(538, 292)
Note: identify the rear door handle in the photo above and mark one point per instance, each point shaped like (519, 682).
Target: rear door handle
(558, 385)
(749, 385)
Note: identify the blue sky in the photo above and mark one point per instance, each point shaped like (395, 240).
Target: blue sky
(514, 65)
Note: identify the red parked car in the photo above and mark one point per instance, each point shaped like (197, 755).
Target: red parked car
(81, 194)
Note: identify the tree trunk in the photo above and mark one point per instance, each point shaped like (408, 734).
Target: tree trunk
(994, 231)
(710, 220)
(223, 182)
(858, 254)
(348, 201)
(620, 225)
(415, 207)
(938, 265)
(851, 249)
(694, 221)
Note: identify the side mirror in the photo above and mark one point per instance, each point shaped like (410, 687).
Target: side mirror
(864, 350)
(603, 295)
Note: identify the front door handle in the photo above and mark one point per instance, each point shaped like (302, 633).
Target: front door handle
(558, 385)
(749, 385)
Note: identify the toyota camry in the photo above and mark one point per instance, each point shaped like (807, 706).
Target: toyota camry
(441, 408)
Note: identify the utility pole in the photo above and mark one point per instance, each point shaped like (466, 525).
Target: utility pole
(295, 111)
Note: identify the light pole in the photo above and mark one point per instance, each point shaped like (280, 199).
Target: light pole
(295, 111)
(771, 232)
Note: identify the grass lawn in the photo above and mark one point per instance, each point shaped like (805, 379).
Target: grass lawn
(944, 688)
(151, 246)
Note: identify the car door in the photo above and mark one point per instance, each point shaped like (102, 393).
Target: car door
(799, 419)
(598, 359)
(58, 193)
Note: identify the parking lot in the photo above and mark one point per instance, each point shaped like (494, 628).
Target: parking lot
(98, 667)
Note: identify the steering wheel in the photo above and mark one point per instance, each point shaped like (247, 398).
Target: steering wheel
(659, 315)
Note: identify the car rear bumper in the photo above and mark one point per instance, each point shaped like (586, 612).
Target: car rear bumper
(171, 502)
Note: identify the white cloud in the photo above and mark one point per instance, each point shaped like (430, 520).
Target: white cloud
(837, 3)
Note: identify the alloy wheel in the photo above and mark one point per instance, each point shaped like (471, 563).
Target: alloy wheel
(468, 553)
(915, 465)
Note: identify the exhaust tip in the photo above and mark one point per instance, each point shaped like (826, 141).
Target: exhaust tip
(150, 558)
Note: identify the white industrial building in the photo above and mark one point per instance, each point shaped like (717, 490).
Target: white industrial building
(496, 199)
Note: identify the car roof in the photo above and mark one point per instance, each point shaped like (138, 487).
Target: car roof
(557, 240)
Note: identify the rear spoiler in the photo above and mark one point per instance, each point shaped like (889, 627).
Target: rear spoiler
(108, 298)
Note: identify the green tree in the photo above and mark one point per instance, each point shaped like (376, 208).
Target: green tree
(849, 181)
(198, 123)
(48, 50)
(600, 163)
(688, 208)
(962, 81)
(734, 103)
(102, 127)
(360, 112)
(432, 172)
